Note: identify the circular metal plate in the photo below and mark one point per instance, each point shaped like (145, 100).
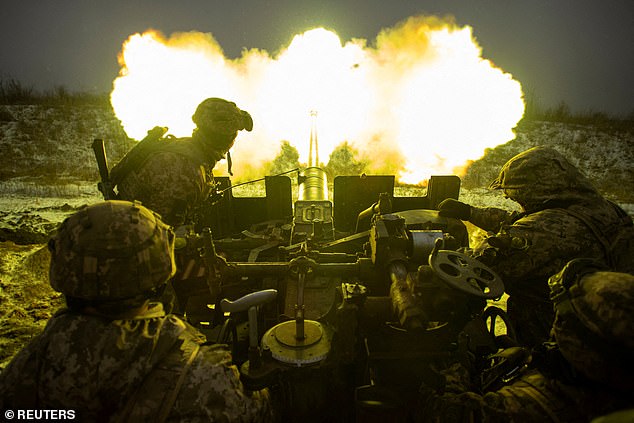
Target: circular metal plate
(285, 334)
(466, 274)
(286, 348)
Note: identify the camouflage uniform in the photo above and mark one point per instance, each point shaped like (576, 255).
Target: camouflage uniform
(173, 175)
(588, 373)
(172, 183)
(113, 356)
(126, 370)
(564, 217)
(533, 397)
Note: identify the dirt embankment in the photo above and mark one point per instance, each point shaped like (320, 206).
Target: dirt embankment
(26, 299)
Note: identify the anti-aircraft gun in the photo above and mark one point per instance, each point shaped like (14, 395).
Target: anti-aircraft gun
(342, 308)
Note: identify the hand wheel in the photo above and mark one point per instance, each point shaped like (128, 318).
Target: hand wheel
(466, 274)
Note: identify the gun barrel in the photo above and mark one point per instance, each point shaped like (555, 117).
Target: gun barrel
(314, 186)
(313, 154)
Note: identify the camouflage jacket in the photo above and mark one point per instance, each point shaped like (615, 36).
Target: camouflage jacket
(172, 180)
(142, 369)
(525, 249)
(533, 397)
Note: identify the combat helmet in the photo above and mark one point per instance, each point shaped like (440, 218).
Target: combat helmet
(219, 116)
(594, 322)
(112, 250)
(540, 174)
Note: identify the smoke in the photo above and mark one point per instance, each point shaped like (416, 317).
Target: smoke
(418, 101)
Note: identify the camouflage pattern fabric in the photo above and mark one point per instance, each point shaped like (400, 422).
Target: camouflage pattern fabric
(542, 172)
(564, 218)
(527, 251)
(173, 180)
(594, 327)
(125, 370)
(221, 116)
(587, 374)
(532, 397)
(95, 251)
(173, 176)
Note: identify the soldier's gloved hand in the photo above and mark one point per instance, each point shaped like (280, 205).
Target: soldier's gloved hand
(454, 208)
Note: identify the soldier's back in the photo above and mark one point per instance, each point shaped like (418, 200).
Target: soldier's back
(149, 368)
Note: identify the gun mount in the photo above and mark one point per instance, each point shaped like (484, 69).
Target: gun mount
(371, 293)
(341, 307)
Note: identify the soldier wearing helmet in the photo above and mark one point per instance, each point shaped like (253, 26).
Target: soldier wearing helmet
(594, 322)
(563, 217)
(587, 372)
(173, 176)
(113, 354)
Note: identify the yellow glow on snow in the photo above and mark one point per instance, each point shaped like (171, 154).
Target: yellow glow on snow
(420, 101)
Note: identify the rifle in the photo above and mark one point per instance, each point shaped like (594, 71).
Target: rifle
(105, 185)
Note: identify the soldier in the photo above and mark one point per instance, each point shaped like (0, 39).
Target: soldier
(563, 217)
(172, 177)
(587, 372)
(113, 355)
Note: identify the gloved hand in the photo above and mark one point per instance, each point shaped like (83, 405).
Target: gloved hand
(454, 208)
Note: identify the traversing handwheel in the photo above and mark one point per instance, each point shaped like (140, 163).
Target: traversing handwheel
(466, 274)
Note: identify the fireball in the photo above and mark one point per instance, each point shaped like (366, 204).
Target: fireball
(420, 100)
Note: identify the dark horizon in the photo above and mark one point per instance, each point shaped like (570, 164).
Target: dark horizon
(579, 52)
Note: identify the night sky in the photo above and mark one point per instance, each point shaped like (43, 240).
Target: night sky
(577, 51)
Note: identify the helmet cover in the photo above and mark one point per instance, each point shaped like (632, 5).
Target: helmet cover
(111, 250)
